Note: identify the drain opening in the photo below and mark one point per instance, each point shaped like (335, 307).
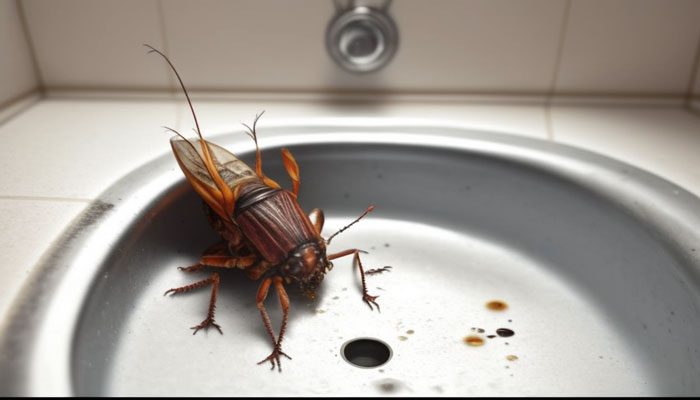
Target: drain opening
(366, 352)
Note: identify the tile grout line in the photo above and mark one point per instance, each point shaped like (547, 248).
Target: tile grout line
(166, 48)
(557, 67)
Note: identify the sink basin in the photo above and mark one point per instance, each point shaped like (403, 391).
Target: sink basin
(597, 264)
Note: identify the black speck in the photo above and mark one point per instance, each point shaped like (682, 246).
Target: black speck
(504, 332)
(386, 244)
(673, 313)
(480, 330)
(510, 320)
(380, 176)
(491, 336)
(346, 195)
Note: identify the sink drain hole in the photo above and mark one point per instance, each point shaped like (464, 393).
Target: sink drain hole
(366, 352)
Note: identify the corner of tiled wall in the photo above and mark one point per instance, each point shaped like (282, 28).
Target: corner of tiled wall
(18, 77)
(694, 97)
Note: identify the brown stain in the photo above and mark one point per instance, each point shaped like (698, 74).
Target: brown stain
(511, 357)
(474, 341)
(402, 338)
(497, 305)
(410, 331)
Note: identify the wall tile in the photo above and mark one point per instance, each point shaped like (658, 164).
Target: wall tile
(84, 43)
(495, 46)
(502, 46)
(17, 76)
(474, 46)
(629, 46)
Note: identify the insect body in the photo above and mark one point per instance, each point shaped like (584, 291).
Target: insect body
(264, 230)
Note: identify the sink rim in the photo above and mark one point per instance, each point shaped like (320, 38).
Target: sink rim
(52, 282)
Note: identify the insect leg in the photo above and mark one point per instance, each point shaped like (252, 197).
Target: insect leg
(317, 219)
(260, 302)
(274, 357)
(222, 261)
(290, 164)
(356, 260)
(209, 320)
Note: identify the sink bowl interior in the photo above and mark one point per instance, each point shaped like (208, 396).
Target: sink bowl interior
(599, 301)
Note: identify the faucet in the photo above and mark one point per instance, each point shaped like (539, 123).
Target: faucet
(361, 38)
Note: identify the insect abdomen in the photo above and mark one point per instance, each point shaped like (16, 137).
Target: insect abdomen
(273, 222)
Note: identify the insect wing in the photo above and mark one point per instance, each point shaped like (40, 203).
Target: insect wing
(232, 170)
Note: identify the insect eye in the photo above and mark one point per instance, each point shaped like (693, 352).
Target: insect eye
(296, 268)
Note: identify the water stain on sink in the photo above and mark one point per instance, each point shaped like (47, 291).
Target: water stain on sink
(474, 341)
(389, 385)
(497, 305)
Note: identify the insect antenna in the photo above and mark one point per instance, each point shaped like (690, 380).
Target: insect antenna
(251, 131)
(187, 95)
(367, 211)
(253, 135)
(228, 197)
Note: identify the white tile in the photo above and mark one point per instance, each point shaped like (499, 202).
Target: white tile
(226, 116)
(496, 46)
(664, 141)
(17, 76)
(28, 229)
(77, 148)
(629, 46)
(485, 45)
(84, 43)
(259, 44)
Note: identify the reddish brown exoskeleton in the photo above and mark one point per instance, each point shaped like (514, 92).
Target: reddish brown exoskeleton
(264, 230)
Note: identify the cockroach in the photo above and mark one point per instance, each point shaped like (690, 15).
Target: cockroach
(263, 229)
